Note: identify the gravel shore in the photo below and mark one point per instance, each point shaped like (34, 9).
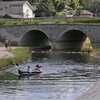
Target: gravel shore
(4, 53)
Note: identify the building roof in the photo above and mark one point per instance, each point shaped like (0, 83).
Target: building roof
(7, 3)
(14, 8)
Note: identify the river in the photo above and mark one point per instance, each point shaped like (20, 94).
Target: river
(64, 76)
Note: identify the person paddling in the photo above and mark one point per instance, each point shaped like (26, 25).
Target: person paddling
(18, 69)
(37, 69)
(28, 69)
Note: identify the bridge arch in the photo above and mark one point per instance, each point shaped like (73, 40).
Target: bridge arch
(75, 40)
(35, 39)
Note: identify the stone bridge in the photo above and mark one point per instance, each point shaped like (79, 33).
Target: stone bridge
(64, 36)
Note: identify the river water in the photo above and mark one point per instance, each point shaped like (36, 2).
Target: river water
(64, 76)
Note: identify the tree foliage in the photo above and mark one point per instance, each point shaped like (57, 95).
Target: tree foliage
(95, 8)
(50, 7)
(75, 4)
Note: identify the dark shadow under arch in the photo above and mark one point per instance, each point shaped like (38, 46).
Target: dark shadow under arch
(36, 39)
(73, 40)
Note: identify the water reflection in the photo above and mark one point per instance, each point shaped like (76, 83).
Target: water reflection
(62, 57)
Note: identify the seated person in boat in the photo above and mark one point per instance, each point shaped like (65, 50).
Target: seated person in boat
(37, 69)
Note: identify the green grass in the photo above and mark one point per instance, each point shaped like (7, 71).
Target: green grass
(14, 22)
(21, 54)
(8, 76)
(4, 62)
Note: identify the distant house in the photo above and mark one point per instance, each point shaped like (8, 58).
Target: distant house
(17, 9)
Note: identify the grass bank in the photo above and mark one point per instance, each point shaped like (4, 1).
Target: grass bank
(8, 76)
(20, 55)
(5, 62)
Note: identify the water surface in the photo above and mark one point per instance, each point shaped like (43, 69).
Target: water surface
(61, 78)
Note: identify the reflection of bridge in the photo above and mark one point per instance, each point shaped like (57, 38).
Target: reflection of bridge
(57, 36)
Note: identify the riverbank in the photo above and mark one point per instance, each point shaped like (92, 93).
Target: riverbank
(21, 54)
(15, 55)
(5, 57)
(12, 55)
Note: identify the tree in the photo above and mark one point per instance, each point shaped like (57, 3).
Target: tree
(75, 4)
(45, 8)
(59, 4)
(95, 7)
(50, 7)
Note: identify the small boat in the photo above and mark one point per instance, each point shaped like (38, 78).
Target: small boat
(26, 73)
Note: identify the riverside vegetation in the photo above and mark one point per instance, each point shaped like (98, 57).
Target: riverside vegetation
(21, 54)
(14, 22)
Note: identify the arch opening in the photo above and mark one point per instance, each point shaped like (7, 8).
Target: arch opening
(75, 40)
(37, 40)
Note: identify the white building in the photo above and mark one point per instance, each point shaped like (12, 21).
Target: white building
(17, 9)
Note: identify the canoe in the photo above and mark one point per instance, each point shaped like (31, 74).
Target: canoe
(25, 73)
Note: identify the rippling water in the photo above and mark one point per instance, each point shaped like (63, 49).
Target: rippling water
(62, 78)
(42, 90)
